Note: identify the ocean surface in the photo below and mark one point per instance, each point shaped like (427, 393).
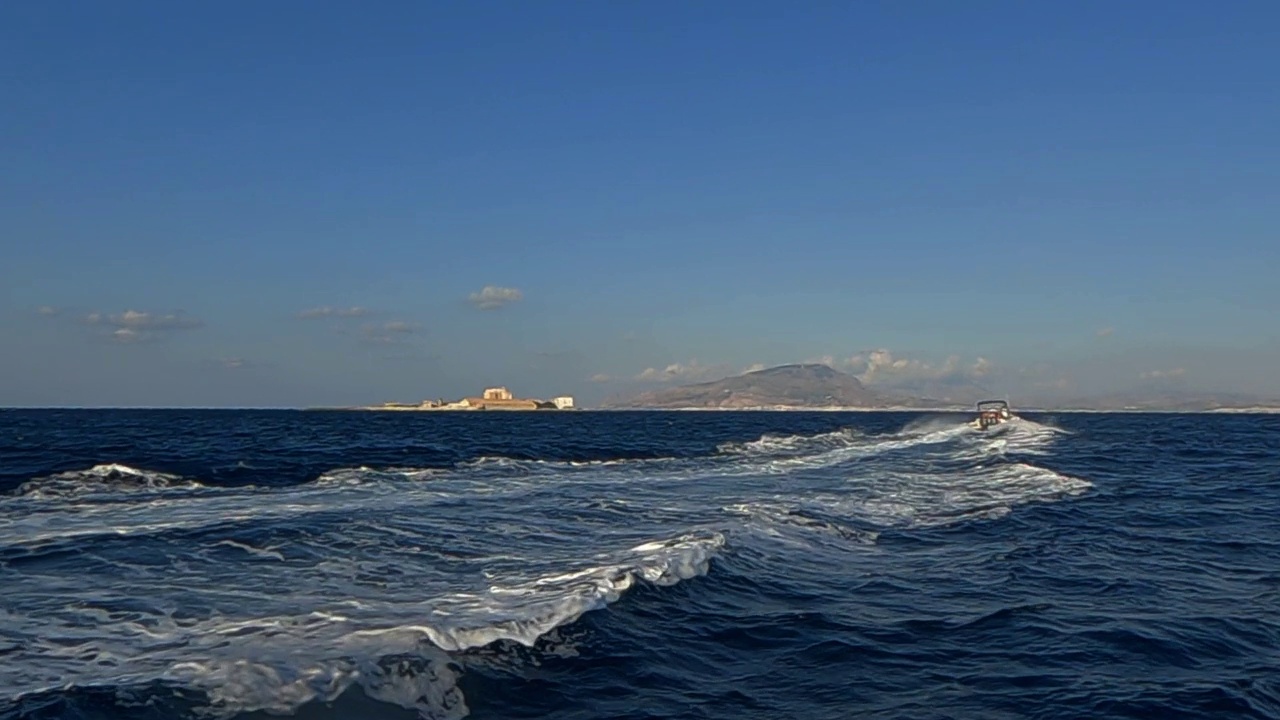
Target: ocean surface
(743, 565)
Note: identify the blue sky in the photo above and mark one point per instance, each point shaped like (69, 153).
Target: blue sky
(1083, 195)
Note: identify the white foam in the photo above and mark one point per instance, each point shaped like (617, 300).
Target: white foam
(423, 682)
(252, 659)
(916, 499)
(363, 475)
(102, 479)
(778, 516)
(773, 444)
(787, 454)
(959, 473)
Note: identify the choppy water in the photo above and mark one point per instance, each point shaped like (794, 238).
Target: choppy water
(165, 564)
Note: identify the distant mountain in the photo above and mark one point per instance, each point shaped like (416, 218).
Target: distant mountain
(806, 385)
(814, 385)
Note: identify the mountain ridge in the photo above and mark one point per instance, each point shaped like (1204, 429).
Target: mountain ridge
(819, 386)
(795, 385)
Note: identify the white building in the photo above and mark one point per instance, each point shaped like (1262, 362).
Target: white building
(563, 402)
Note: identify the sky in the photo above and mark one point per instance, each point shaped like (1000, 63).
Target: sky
(322, 203)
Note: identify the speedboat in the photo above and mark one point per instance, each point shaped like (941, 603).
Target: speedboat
(992, 412)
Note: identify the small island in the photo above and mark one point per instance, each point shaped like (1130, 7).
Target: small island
(493, 398)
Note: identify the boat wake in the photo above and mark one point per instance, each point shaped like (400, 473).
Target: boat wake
(263, 598)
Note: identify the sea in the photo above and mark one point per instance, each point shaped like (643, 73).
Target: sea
(738, 565)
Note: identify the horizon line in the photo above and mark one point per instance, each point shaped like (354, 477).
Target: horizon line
(1248, 410)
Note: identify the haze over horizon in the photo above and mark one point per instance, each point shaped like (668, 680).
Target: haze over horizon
(288, 205)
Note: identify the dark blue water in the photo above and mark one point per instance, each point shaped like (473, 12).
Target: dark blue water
(175, 564)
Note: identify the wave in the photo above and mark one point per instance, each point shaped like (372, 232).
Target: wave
(103, 479)
(249, 663)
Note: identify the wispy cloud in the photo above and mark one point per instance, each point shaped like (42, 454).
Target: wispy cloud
(234, 364)
(134, 326)
(398, 326)
(692, 371)
(600, 378)
(839, 363)
(1106, 332)
(327, 311)
(137, 320)
(882, 366)
(492, 297)
(127, 335)
(344, 321)
(48, 311)
(981, 367)
(389, 332)
(1162, 374)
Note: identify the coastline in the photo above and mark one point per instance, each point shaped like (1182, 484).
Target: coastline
(1258, 410)
(1251, 410)
(499, 408)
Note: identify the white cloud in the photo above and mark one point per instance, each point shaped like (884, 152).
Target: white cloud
(398, 326)
(378, 332)
(47, 310)
(881, 365)
(1162, 374)
(828, 360)
(232, 363)
(326, 311)
(133, 326)
(692, 371)
(981, 367)
(600, 378)
(388, 332)
(882, 362)
(136, 320)
(492, 297)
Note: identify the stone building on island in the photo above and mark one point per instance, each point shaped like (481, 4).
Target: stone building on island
(500, 398)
